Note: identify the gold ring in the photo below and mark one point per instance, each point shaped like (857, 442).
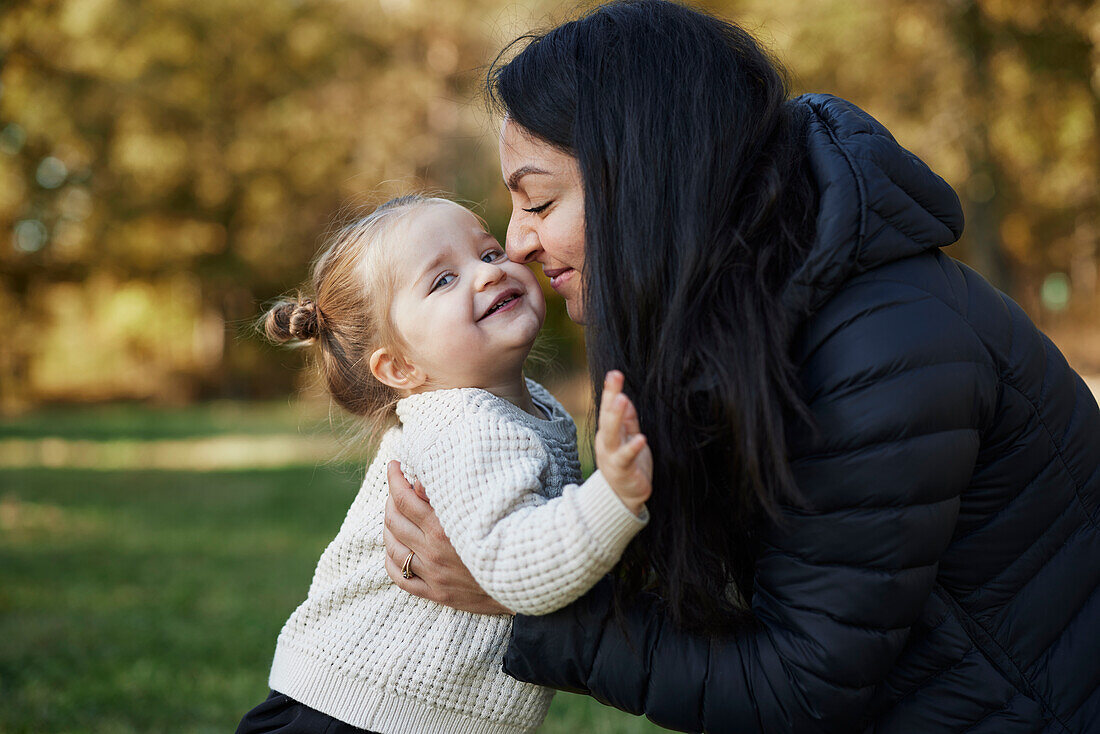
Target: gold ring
(406, 567)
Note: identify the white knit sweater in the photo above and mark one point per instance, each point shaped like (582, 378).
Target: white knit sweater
(504, 485)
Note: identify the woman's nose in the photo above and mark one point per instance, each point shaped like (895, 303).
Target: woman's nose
(521, 243)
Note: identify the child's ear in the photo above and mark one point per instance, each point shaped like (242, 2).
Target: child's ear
(390, 369)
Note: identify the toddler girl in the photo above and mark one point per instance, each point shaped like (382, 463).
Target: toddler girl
(423, 326)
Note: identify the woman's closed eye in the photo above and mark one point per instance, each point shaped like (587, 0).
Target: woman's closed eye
(539, 208)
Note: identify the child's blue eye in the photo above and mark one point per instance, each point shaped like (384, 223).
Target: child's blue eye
(492, 256)
(443, 280)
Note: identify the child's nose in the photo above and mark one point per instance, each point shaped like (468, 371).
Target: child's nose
(489, 274)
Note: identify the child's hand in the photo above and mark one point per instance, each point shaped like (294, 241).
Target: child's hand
(621, 451)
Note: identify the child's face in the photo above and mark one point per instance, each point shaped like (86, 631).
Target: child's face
(467, 313)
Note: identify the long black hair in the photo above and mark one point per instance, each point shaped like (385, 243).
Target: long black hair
(698, 207)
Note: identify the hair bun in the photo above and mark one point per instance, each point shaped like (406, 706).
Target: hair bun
(304, 322)
(296, 319)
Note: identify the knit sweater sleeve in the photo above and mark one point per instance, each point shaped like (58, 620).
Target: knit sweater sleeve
(483, 472)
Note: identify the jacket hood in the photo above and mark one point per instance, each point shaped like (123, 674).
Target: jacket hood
(877, 202)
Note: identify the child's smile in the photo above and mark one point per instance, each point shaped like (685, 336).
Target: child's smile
(507, 301)
(467, 314)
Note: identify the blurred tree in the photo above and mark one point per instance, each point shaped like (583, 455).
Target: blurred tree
(203, 146)
(998, 96)
(1034, 145)
(1002, 98)
(165, 166)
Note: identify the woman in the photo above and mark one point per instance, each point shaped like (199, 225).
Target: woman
(877, 485)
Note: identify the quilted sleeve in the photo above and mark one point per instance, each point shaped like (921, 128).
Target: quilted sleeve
(899, 387)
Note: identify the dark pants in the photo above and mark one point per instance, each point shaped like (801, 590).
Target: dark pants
(281, 714)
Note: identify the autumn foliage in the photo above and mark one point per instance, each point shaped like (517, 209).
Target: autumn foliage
(166, 166)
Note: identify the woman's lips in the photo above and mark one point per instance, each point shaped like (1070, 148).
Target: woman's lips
(559, 277)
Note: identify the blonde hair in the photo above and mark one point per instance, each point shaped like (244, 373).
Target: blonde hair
(348, 315)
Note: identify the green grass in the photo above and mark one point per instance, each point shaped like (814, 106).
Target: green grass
(132, 421)
(149, 601)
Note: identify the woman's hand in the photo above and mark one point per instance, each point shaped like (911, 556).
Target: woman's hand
(621, 451)
(438, 574)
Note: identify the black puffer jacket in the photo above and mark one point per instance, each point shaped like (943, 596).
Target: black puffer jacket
(947, 575)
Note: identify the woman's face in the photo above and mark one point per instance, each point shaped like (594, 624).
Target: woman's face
(547, 224)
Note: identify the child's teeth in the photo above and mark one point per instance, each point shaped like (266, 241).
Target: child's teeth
(501, 304)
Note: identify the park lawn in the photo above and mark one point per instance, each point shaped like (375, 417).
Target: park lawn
(149, 601)
(129, 421)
